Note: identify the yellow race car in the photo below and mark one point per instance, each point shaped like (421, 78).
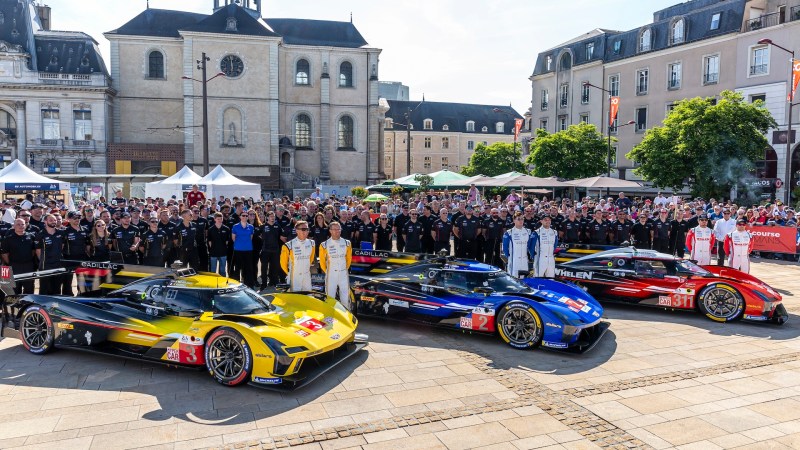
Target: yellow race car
(182, 318)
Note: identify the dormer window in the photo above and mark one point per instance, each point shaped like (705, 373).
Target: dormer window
(388, 123)
(548, 63)
(485, 129)
(499, 127)
(471, 126)
(445, 128)
(677, 32)
(427, 124)
(645, 40)
(231, 25)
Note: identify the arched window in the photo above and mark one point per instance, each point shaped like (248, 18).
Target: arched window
(345, 133)
(346, 74)
(83, 167)
(565, 63)
(155, 65)
(51, 166)
(499, 127)
(286, 162)
(471, 125)
(645, 39)
(301, 72)
(302, 131)
(677, 35)
(232, 125)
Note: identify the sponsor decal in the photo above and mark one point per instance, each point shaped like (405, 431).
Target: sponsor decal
(99, 265)
(620, 262)
(261, 355)
(302, 333)
(191, 340)
(573, 274)
(329, 320)
(66, 326)
(685, 291)
(575, 305)
(465, 322)
(751, 317)
(610, 264)
(173, 354)
(310, 323)
(554, 344)
(664, 300)
(553, 325)
(398, 303)
(367, 299)
(88, 337)
(261, 380)
(595, 313)
(484, 310)
(336, 336)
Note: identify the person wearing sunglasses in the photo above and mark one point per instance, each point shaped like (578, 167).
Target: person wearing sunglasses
(722, 228)
(519, 247)
(738, 246)
(297, 256)
(49, 251)
(335, 255)
(18, 250)
(700, 241)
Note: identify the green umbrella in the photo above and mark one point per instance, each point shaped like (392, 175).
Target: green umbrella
(376, 198)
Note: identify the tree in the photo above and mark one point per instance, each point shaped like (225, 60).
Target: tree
(424, 182)
(359, 192)
(494, 159)
(577, 152)
(708, 145)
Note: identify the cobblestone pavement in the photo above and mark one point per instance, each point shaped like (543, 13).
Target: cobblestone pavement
(658, 379)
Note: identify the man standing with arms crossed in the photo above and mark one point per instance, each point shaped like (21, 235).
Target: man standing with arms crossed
(721, 229)
(335, 255)
(544, 262)
(519, 243)
(297, 256)
(700, 241)
(738, 245)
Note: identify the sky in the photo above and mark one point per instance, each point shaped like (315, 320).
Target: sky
(465, 51)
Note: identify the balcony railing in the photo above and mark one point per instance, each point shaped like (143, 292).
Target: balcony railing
(675, 40)
(759, 69)
(73, 79)
(65, 144)
(544, 106)
(794, 13)
(710, 78)
(765, 21)
(564, 101)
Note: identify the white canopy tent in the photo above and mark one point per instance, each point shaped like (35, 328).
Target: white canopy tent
(175, 185)
(220, 182)
(17, 177)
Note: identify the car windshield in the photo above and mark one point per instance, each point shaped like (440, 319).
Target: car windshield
(240, 301)
(688, 267)
(498, 281)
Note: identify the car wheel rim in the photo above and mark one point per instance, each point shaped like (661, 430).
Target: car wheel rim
(226, 357)
(519, 326)
(35, 329)
(721, 303)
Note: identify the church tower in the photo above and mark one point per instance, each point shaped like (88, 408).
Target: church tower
(252, 6)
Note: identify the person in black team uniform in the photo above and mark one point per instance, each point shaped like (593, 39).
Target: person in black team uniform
(412, 233)
(185, 240)
(383, 234)
(493, 229)
(678, 228)
(441, 231)
(365, 230)
(399, 224)
(154, 244)
(125, 239)
(49, 246)
(466, 229)
(621, 228)
(570, 231)
(597, 230)
(661, 228)
(348, 227)
(529, 220)
(165, 224)
(426, 219)
(200, 219)
(642, 232)
(272, 241)
(218, 242)
(18, 250)
(76, 247)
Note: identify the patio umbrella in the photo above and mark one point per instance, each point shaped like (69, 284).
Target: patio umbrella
(376, 198)
(603, 183)
(522, 181)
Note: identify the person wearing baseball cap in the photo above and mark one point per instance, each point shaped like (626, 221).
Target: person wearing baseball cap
(700, 240)
(738, 246)
(125, 239)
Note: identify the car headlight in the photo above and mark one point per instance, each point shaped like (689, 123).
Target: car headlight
(282, 359)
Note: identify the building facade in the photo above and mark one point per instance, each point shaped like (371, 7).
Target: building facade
(55, 94)
(393, 90)
(443, 135)
(694, 49)
(291, 100)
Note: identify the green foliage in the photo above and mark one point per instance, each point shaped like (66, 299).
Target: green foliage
(424, 182)
(397, 190)
(359, 192)
(494, 159)
(580, 151)
(705, 145)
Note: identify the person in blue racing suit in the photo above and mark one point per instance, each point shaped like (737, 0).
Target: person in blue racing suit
(519, 247)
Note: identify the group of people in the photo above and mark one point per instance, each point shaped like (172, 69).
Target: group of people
(280, 239)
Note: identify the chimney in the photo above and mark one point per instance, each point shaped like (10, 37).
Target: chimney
(43, 11)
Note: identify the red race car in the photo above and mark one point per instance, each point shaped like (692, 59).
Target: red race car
(646, 277)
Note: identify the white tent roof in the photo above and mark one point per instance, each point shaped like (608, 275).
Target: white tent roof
(183, 176)
(181, 181)
(220, 182)
(18, 177)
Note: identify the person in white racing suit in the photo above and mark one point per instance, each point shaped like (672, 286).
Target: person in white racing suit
(738, 245)
(297, 256)
(518, 244)
(335, 255)
(544, 263)
(700, 240)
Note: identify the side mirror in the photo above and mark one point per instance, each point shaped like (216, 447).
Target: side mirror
(483, 290)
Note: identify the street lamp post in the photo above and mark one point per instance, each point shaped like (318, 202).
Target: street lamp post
(788, 173)
(201, 65)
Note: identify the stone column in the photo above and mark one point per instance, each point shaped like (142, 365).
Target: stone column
(325, 124)
(22, 135)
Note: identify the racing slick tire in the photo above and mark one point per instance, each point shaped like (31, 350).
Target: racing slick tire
(228, 357)
(36, 330)
(720, 302)
(520, 326)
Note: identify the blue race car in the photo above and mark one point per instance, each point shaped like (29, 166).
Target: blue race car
(479, 298)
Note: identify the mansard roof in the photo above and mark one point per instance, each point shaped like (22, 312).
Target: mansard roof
(159, 23)
(68, 52)
(323, 33)
(454, 115)
(246, 24)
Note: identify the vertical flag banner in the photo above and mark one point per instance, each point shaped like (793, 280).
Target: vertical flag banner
(795, 77)
(517, 127)
(614, 110)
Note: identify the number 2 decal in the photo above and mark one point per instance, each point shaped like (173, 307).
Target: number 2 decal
(483, 323)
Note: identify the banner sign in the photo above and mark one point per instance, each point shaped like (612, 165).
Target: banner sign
(614, 109)
(774, 239)
(517, 127)
(188, 187)
(795, 77)
(32, 187)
